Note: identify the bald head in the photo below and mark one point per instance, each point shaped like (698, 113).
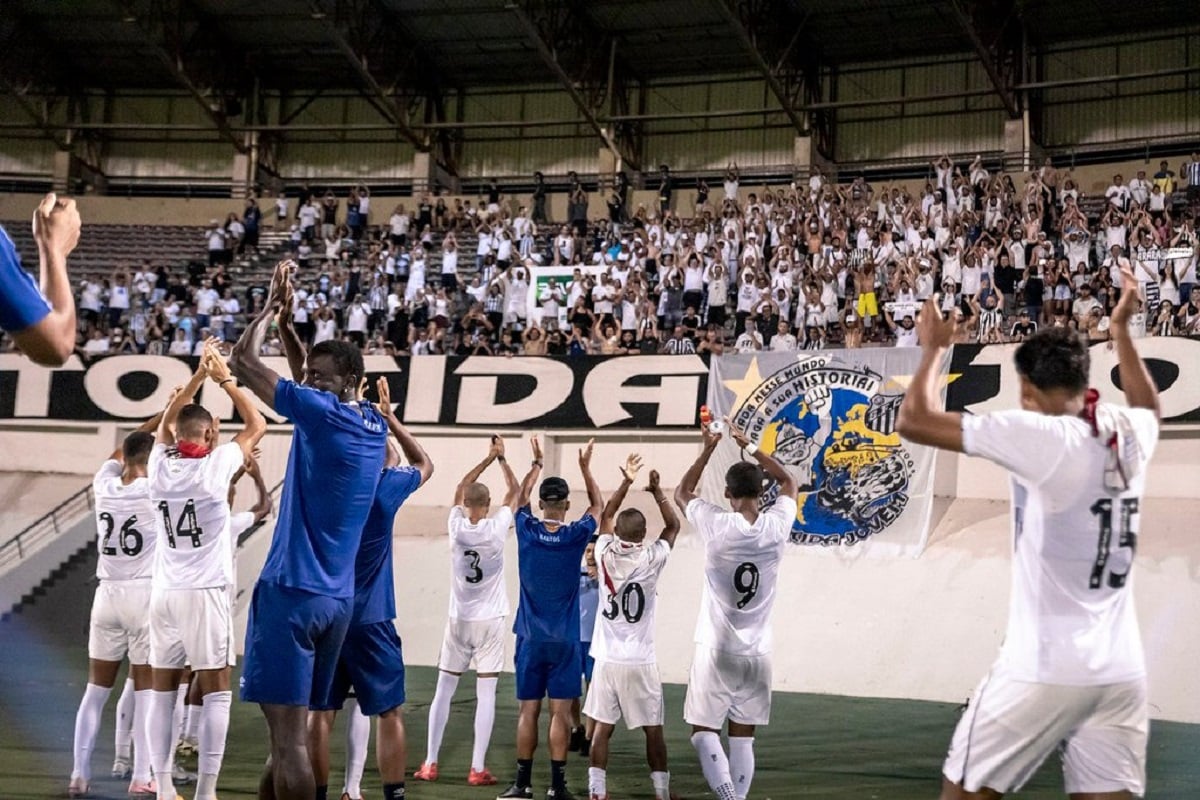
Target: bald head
(630, 525)
(477, 496)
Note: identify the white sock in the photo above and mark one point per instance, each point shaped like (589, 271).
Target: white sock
(192, 717)
(125, 712)
(439, 713)
(714, 764)
(214, 715)
(597, 781)
(741, 764)
(141, 735)
(87, 725)
(358, 734)
(662, 785)
(178, 720)
(485, 719)
(161, 730)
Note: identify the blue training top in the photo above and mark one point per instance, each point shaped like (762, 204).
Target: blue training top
(337, 453)
(374, 591)
(589, 603)
(21, 302)
(549, 566)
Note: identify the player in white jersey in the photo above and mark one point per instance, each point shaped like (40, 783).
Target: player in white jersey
(625, 682)
(730, 677)
(1071, 674)
(120, 618)
(478, 608)
(191, 619)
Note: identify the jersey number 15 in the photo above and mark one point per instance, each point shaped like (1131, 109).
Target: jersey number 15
(1103, 509)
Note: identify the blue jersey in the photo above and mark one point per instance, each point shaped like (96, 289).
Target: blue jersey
(549, 567)
(589, 602)
(333, 468)
(374, 592)
(21, 302)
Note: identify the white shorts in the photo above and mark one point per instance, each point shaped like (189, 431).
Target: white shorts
(191, 627)
(1010, 727)
(478, 640)
(632, 691)
(120, 622)
(722, 686)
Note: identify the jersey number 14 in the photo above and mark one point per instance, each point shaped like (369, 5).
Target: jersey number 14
(187, 527)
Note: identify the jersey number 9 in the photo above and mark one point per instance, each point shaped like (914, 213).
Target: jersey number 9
(745, 582)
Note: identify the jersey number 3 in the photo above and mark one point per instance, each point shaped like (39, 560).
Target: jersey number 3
(1127, 538)
(474, 571)
(130, 538)
(187, 528)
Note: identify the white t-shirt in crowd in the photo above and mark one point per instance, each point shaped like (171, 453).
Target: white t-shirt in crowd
(477, 565)
(1071, 613)
(624, 632)
(741, 569)
(125, 525)
(191, 496)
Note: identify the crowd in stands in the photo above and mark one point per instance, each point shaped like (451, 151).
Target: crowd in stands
(812, 265)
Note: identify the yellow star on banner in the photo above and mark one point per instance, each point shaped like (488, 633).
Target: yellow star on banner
(902, 382)
(744, 387)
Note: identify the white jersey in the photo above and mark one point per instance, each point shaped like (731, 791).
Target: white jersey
(125, 525)
(624, 632)
(195, 548)
(1071, 614)
(477, 565)
(741, 569)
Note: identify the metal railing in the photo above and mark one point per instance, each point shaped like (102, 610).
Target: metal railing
(46, 527)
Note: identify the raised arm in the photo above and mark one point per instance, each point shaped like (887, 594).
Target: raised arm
(512, 489)
(685, 492)
(670, 521)
(595, 500)
(1139, 388)
(629, 472)
(413, 452)
(166, 422)
(770, 464)
(922, 419)
(246, 360)
(495, 451)
(253, 423)
(49, 339)
(149, 426)
(293, 348)
(535, 469)
(262, 505)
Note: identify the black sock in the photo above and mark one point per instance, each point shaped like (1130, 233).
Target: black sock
(558, 775)
(524, 772)
(322, 792)
(393, 791)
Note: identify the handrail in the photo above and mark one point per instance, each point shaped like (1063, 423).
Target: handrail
(52, 521)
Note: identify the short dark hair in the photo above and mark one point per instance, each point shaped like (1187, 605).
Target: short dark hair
(347, 358)
(744, 479)
(193, 420)
(631, 523)
(137, 446)
(1054, 358)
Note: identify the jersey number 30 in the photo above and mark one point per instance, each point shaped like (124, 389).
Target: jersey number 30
(130, 538)
(187, 528)
(633, 604)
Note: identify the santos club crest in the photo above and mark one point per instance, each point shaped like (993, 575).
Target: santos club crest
(827, 421)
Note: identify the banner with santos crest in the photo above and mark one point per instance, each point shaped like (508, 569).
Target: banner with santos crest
(830, 417)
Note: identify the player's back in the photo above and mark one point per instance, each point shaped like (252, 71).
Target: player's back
(741, 570)
(624, 632)
(374, 588)
(548, 562)
(338, 451)
(477, 564)
(190, 496)
(125, 525)
(1071, 612)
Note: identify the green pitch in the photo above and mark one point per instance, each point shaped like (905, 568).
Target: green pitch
(817, 746)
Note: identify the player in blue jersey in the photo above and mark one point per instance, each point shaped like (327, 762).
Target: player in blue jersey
(547, 624)
(371, 660)
(303, 600)
(42, 322)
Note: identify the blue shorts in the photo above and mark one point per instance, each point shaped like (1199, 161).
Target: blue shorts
(586, 662)
(292, 642)
(547, 668)
(370, 667)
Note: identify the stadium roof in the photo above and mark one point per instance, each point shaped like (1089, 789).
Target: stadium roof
(309, 44)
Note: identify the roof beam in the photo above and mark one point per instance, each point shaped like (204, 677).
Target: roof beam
(163, 32)
(993, 58)
(547, 53)
(748, 40)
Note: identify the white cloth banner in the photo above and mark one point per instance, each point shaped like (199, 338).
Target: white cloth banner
(830, 417)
